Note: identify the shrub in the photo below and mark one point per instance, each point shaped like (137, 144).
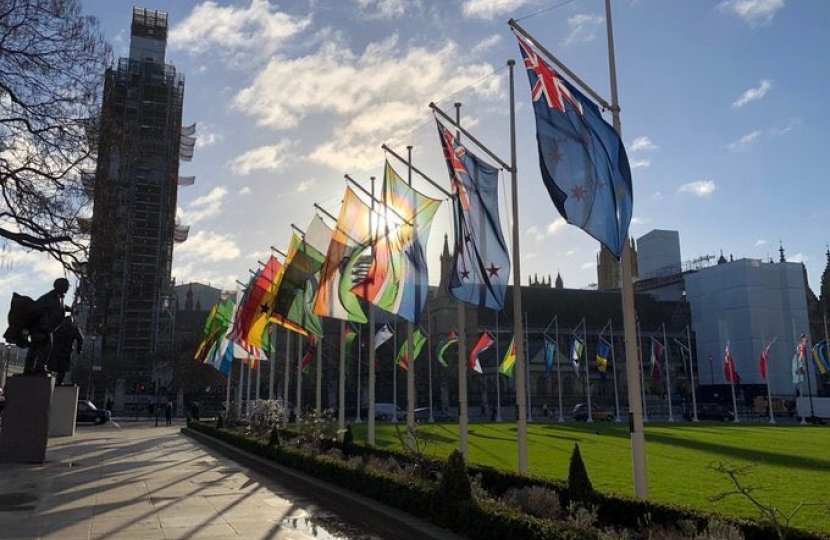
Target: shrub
(274, 438)
(455, 482)
(579, 485)
(535, 500)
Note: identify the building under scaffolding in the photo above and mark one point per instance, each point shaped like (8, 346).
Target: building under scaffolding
(127, 293)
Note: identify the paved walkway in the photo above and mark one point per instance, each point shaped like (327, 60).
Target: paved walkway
(140, 482)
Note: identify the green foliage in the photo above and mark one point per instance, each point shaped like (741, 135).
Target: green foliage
(579, 485)
(535, 500)
(455, 482)
(348, 441)
(274, 437)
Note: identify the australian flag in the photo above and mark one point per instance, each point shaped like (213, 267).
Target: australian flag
(583, 161)
(481, 264)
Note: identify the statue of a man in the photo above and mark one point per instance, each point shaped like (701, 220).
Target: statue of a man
(64, 338)
(49, 310)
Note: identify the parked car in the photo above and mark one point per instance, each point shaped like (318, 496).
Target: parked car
(709, 411)
(88, 412)
(385, 411)
(598, 414)
(422, 415)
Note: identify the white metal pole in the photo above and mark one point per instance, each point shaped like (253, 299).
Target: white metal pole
(463, 415)
(258, 370)
(298, 391)
(769, 392)
(240, 388)
(286, 374)
(642, 371)
(357, 419)
(590, 418)
(558, 373)
(529, 386)
(521, 424)
(272, 368)
(668, 374)
(429, 359)
(498, 379)
(618, 417)
(395, 376)
(319, 383)
(692, 372)
(410, 349)
(248, 389)
(341, 383)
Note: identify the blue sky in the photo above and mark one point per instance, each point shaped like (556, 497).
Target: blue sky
(724, 116)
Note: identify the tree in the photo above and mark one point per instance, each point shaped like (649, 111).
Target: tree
(52, 63)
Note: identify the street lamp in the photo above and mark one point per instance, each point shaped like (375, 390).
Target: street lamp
(93, 337)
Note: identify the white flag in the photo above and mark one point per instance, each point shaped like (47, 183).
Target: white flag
(382, 336)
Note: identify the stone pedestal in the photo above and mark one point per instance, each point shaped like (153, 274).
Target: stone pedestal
(63, 412)
(25, 429)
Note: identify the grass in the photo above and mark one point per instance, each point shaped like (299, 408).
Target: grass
(791, 462)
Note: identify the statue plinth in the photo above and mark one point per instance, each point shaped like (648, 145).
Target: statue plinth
(63, 412)
(25, 429)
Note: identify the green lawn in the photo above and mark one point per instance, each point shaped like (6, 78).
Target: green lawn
(792, 462)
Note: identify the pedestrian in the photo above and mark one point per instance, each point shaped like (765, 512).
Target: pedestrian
(109, 405)
(64, 338)
(168, 413)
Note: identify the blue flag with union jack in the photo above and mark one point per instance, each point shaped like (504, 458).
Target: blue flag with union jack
(481, 264)
(583, 161)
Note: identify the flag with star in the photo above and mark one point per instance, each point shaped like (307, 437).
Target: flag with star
(397, 280)
(509, 361)
(249, 308)
(582, 159)
(481, 264)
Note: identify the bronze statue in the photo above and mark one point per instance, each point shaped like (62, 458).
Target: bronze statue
(65, 336)
(46, 315)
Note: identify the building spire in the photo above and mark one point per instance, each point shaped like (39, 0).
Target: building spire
(782, 258)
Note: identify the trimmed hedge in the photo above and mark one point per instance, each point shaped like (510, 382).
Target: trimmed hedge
(480, 520)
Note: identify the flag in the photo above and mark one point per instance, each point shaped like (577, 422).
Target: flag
(655, 359)
(265, 316)
(397, 280)
(509, 362)
(550, 352)
(730, 372)
(418, 340)
(582, 159)
(216, 325)
(244, 331)
(301, 275)
(484, 343)
(481, 265)
(577, 355)
(445, 344)
(799, 366)
(763, 361)
(309, 355)
(352, 229)
(820, 357)
(382, 336)
(349, 335)
(603, 353)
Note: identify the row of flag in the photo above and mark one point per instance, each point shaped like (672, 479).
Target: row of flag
(324, 272)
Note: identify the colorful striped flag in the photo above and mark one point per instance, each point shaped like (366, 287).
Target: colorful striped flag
(655, 358)
(418, 340)
(445, 344)
(730, 372)
(509, 362)
(550, 352)
(577, 355)
(484, 343)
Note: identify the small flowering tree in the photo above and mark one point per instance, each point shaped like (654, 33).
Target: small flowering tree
(266, 414)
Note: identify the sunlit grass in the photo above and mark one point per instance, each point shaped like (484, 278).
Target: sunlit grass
(791, 462)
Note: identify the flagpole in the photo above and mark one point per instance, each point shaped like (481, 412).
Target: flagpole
(228, 392)
(248, 390)
(258, 370)
(521, 426)
(590, 418)
(272, 368)
(463, 418)
(240, 387)
(766, 375)
(410, 342)
(319, 396)
(529, 386)
(498, 380)
(298, 406)
(731, 379)
(286, 377)
(341, 383)
(370, 431)
(614, 367)
(395, 375)
(642, 371)
(668, 373)
(357, 419)
(692, 372)
(558, 373)
(429, 359)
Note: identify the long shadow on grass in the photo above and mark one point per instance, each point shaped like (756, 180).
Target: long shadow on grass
(748, 454)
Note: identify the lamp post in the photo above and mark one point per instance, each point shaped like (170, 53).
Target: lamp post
(93, 337)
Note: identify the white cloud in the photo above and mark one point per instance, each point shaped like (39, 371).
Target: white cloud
(206, 136)
(639, 163)
(753, 94)
(486, 44)
(204, 207)
(258, 28)
(382, 9)
(759, 243)
(305, 185)
(642, 144)
(370, 98)
(268, 158)
(798, 258)
(588, 266)
(744, 142)
(754, 12)
(535, 233)
(490, 9)
(583, 28)
(205, 246)
(639, 221)
(699, 188)
(556, 226)
(657, 195)
(244, 191)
